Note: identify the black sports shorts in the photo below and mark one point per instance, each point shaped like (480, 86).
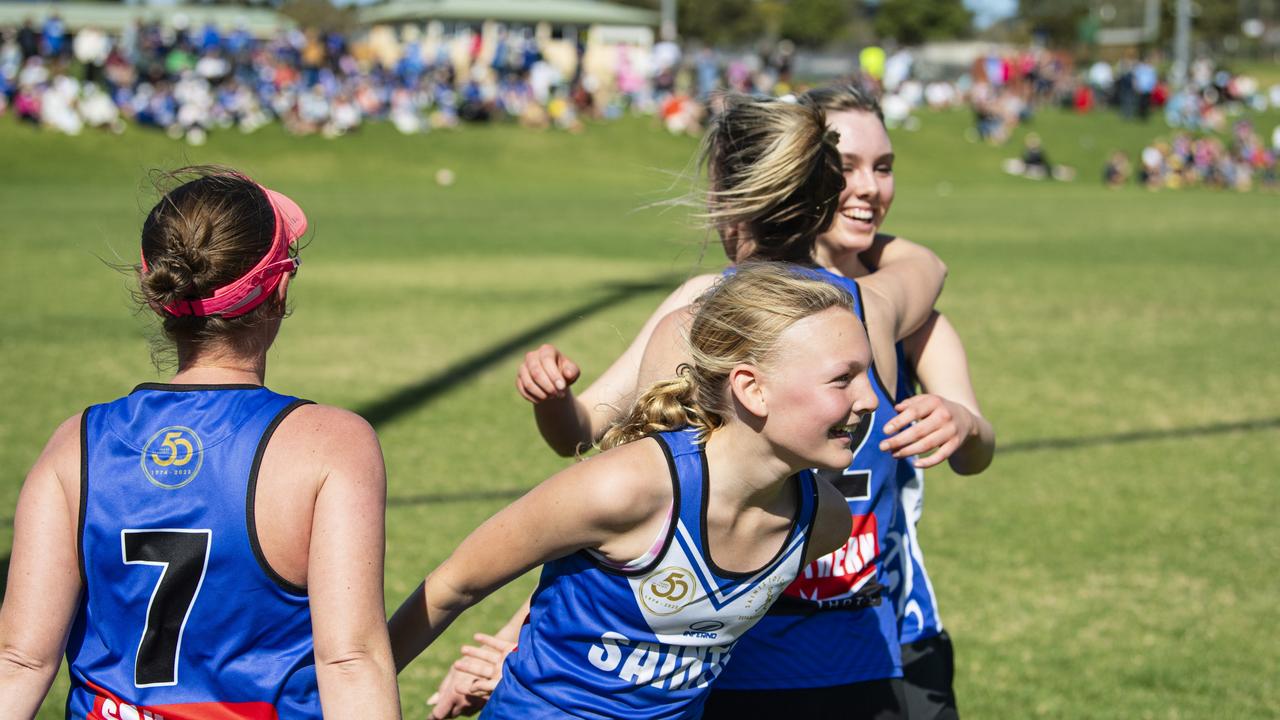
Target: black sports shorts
(928, 669)
(869, 700)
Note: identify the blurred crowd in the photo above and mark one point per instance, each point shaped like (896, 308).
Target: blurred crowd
(1242, 162)
(190, 80)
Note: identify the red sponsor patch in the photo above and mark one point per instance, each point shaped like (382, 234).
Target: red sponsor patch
(839, 574)
(106, 706)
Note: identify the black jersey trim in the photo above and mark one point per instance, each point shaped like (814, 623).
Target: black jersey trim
(250, 514)
(180, 387)
(702, 527)
(84, 496)
(671, 527)
(875, 371)
(813, 513)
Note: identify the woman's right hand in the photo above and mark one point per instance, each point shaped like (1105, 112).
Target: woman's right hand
(472, 678)
(545, 374)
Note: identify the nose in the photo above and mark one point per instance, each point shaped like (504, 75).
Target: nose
(863, 400)
(863, 183)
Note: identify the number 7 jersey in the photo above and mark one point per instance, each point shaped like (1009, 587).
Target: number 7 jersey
(180, 615)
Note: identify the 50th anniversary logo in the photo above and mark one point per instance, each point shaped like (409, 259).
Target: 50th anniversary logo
(172, 457)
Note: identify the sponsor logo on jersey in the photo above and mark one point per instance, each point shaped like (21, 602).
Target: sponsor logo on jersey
(705, 629)
(839, 575)
(113, 708)
(668, 591)
(172, 457)
(656, 664)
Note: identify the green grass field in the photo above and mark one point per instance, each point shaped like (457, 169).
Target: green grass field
(1117, 560)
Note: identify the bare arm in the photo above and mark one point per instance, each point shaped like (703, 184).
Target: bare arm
(947, 419)
(569, 423)
(354, 667)
(667, 350)
(908, 277)
(44, 576)
(570, 511)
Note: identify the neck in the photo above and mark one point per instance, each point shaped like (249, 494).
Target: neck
(746, 470)
(845, 263)
(220, 369)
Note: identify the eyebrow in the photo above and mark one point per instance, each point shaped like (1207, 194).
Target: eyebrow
(887, 157)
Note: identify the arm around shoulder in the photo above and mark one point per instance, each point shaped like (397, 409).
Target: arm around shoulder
(568, 422)
(942, 366)
(908, 277)
(354, 667)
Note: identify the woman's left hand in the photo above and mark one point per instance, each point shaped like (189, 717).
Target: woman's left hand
(927, 423)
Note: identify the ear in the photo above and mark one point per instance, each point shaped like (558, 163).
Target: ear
(282, 290)
(744, 383)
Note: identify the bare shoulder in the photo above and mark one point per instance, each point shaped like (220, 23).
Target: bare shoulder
(330, 436)
(832, 523)
(692, 288)
(61, 454)
(622, 486)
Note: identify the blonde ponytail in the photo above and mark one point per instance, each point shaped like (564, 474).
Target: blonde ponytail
(666, 405)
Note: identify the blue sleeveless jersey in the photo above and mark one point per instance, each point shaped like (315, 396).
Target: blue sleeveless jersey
(909, 586)
(181, 617)
(604, 643)
(831, 626)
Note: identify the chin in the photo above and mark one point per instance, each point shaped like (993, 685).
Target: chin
(834, 460)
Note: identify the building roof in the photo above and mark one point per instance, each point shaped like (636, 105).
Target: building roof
(569, 12)
(111, 16)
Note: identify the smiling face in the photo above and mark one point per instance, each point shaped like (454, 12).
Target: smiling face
(816, 388)
(866, 156)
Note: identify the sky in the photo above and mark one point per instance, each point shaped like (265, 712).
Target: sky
(987, 12)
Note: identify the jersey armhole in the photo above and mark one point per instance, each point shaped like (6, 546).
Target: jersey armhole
(251, 524)
(671, 525)
(84, 496)
(815, 494)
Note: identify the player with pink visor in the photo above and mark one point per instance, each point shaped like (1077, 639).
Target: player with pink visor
(205, 547)
(255, 286)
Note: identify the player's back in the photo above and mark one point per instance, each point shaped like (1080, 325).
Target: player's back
(181, 616)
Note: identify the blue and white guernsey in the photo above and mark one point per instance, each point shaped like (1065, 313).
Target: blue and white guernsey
(909, 585)
(181, 618)
(831, 627)
(647, 642)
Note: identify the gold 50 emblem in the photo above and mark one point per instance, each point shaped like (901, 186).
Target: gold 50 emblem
(667, 591)
(172, 457)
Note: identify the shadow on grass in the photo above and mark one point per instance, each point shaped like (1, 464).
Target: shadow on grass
(1072, 443)
(1014, 447)
(424, 391)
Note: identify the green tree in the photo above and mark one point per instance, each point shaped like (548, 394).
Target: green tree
(912, 22)
(814, 22)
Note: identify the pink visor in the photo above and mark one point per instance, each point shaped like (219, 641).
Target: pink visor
(248, 292)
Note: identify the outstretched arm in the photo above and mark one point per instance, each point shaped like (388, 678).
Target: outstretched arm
(344, 570)
(947, 419)
(570, 511)
(44, 577)
(908, 277)
(569, 422)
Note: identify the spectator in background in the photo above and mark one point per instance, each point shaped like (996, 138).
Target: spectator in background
(1145, 80)
(1117, 170)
